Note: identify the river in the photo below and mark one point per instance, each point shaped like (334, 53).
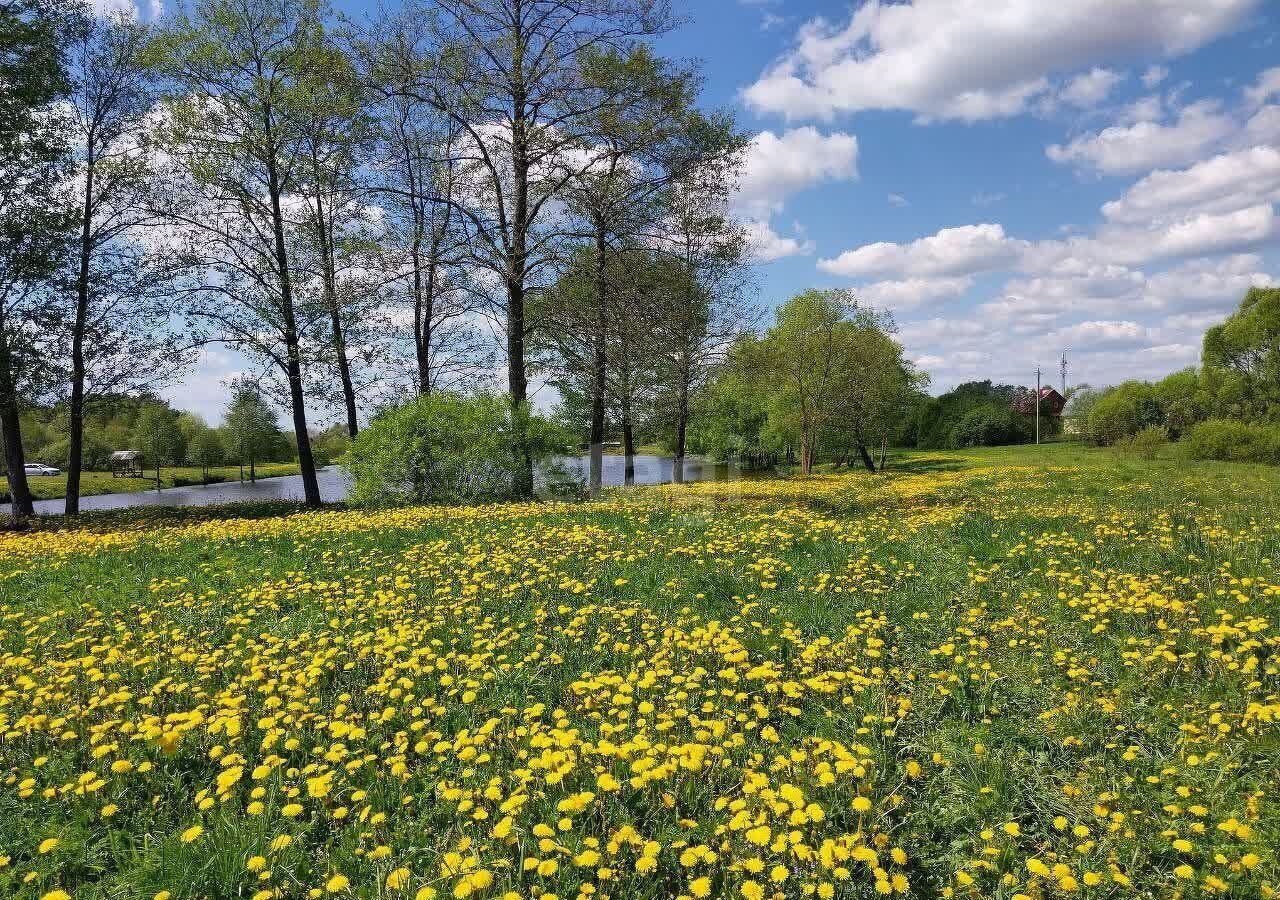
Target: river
(334, 485)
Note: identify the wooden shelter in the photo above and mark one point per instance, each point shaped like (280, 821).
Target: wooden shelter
(126, 464)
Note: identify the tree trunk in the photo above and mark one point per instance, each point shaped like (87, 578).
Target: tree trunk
(682, 433)
(293, 366)
(75, 423)
(867, 462)
(599, 363)
(11, 428)
(517, 262)
(329, 277)
(884, 450)
(806, 457)
(628, 447)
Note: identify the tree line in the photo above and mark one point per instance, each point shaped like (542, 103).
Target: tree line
(357, 203)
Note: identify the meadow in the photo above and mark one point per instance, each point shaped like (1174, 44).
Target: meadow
(1016, 674)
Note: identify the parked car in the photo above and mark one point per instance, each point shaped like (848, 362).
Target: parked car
(41, 469)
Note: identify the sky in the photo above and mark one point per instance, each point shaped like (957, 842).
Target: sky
(1011, 178)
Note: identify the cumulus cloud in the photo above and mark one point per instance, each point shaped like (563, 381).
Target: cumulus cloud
(1088, 90)
(912, 292)
(973, 59)
(766, 245)
(779, 165)
(967, 250)
(1268, 86)
(1229, 181)
(1145, 145)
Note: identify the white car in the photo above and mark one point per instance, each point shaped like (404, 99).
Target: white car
(40, 469)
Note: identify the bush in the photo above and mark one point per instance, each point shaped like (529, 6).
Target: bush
(1123, 411)
(1231, 440)
(1147, 442)
(990, 426)
(442, 448)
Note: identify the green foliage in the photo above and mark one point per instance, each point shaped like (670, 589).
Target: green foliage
(443, 448)
(939, 416)
(159, 438)
(991, 425)
(1148, 441)
(205, 448)
(1122, 411)
(1233, 441)
(1245, 349)
(252, 434)
(329, 445)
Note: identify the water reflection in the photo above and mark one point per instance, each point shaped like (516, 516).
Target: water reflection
(335, 486)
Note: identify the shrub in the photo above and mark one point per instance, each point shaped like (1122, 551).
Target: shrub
(1147, 442)
(989, 426)
(443, 448)
(1228, 439)
(1122, 411)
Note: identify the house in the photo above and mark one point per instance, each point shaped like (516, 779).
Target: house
(1051, 402)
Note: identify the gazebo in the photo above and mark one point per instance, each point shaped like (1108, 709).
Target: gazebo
(126, 464)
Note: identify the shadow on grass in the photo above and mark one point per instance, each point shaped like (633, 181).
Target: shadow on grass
(158, 516)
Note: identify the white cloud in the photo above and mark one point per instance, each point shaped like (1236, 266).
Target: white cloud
(912, 292)
(1206, 285)
(766, 245)
(898, 200)
(966, 250)
(1154, 75)
(1225, 183)
(1263, 126)
(1101, 333)
(1268, 86)
(777, 166)
(973, 59)
(1088, 90)
(1142, 146)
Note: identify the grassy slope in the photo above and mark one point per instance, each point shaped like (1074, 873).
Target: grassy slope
(1030, 660)
(91, 483)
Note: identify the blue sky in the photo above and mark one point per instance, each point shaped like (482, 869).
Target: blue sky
(1010, 177)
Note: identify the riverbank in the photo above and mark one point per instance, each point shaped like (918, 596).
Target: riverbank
(94, 484)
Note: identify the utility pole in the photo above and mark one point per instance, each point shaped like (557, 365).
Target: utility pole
(1037, 405)
(1063, 368)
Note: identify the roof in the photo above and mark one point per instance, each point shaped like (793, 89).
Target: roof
(125, 455)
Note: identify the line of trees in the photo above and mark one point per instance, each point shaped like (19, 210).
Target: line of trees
(360, 204)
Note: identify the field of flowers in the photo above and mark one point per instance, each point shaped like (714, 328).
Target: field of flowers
(974, 677)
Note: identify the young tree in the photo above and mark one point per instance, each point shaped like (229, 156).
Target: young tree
(236, 119)
(509, 74)
(120, 334)
(648, 135)
(830, 371)
(35, 219)
(205, 449)
(158, 436)
(250, 425)
(702, 319)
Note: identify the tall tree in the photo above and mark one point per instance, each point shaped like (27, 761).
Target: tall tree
(701, 320)
(509, 74)
(647, 134)
(35, 219)
(415, 178)
(236, 108)
(335, 132)
(120, 335)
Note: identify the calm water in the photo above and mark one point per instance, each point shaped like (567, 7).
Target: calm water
(334, 485)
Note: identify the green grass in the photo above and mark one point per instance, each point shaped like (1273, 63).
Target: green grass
(52, 487)
(1044, 668)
